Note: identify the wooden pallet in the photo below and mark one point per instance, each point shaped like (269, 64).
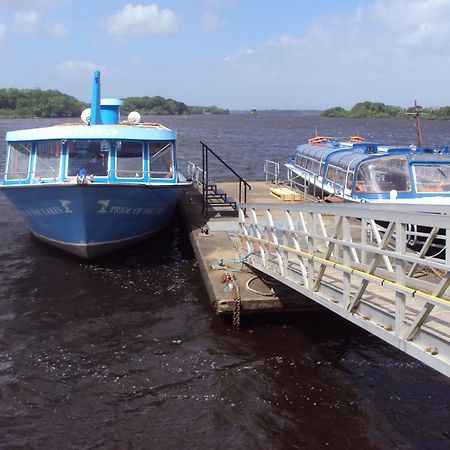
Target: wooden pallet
(285, 194)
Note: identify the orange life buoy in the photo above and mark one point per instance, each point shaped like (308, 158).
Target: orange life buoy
(359, 139)
(318, 140)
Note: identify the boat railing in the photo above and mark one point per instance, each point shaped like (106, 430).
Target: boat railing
(32, 175)
(19, 179)
(190, 172)
(243, 185)
(272, 171)
(42, 176)
(311, 183)
(297, 182)
(138, 174)
(303, 184)
(195, 174)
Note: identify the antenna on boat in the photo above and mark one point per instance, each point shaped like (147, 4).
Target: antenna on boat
(416, 114)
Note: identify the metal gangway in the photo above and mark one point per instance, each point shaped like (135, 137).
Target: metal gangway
(384, 268)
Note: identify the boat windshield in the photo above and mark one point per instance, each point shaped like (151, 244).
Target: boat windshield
(432, 177)
(47, 159)
(130, 159)
(383, 174)
(18, 161)
(161, 159)
(88, 158)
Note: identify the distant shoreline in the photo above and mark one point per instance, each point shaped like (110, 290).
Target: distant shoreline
(377, 110)
(36, 103)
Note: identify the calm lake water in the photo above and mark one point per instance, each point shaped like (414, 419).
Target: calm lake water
(124, 352)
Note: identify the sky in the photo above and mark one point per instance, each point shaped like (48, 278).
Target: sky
(236, 54)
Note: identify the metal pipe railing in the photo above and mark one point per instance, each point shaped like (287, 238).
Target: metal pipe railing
(357, 261)
(243, 185)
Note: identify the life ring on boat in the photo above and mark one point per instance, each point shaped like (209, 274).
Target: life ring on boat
(318, 140)
(358, 139)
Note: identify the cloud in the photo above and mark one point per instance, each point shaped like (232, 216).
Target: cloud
(26, 19)
(240, 52)
(141, 19)
(211, 21)
(389, 51)
(29, 22)
(2, 31)
(415, 23)
(58, 30)
(73, 67)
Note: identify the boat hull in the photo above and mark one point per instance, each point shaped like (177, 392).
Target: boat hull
(89, 220)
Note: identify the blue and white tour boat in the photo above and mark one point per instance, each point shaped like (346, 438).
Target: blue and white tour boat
(358, 171)
(94, 186)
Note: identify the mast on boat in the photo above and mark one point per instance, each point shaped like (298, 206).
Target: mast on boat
(416, 114)
(96, 115)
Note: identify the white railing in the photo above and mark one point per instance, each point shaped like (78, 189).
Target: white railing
(195, 173)
(272, 171)
(355, 260)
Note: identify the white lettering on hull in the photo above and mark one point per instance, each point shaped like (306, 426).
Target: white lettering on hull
(127, 210)
(49, 210)
(104, 208)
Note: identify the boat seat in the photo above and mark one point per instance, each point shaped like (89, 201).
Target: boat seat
(430, 187)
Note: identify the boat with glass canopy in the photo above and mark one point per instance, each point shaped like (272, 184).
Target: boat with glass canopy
(358, 171)
(94, 186)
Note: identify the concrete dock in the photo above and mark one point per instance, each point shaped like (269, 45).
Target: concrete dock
(232, 286)
(302, 255)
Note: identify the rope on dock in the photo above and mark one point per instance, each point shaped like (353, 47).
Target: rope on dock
(265, 294)
(220, 263)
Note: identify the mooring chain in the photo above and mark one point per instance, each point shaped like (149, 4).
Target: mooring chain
(236, 311)
(233, 287)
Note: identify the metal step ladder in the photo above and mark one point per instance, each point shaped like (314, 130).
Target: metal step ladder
(213, 196)
(218, 198)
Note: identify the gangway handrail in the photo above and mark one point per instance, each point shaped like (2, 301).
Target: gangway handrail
(243, 185)
(329, 253)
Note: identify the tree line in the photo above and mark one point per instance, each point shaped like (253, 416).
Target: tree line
(38, 103)
(161, 106)
(25, 103)
(377, 110)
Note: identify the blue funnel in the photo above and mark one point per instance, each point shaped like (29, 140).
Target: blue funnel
(111, 110)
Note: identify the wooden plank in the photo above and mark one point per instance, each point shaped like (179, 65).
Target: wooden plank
(285, 194)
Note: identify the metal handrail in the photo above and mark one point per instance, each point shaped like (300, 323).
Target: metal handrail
(243, 185)
(271, 168)
(356, 260)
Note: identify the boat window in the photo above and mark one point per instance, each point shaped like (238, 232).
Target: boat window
(48, 155)
(383, 174)
(130, 159)
(88, 158)
(432, 177)
(18, 161)
(336, 174)
(349, 180)
(161, 159)
(307, 163)
(299, 160)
